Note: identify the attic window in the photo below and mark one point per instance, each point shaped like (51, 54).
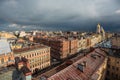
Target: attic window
(99, 56)
(80, 67)
(69, 79)
(93, 56)
(43, 78)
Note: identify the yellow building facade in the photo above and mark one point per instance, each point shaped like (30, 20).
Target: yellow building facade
(6, 59)
(38, 58)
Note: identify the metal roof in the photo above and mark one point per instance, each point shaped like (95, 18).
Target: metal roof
(4, 46)
(73, 73)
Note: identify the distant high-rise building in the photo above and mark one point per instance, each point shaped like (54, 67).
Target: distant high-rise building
(98, 29)
(103, 32)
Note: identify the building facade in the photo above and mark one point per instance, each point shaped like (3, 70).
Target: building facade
(60, 47)
(82, 44)
(113, 68)
(6, 55)
(73, 46)
(96, 38)
(6, 59)
(38, 56)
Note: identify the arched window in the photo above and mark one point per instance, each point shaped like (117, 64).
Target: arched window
(9, 59)
(2, 60)
(32, 55)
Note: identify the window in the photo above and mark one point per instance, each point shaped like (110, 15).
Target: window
(117, 68)
(108, 66)
(2, 60)
(116, 76)
(113, 67)
(109, 59)
(108, 73)
(32, 55)
(26, 56)
(117, 62)
(9, 59)
(112, 74)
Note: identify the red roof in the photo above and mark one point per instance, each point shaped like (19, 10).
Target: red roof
(73, 73)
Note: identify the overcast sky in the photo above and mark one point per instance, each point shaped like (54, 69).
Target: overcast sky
(69, 13)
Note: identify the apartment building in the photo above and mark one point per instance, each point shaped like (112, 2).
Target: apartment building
(6, 55)
(60, 47)
(113, 69)
(38, 56)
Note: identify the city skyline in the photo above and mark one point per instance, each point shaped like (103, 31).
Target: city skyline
(59, 15)
(38, 55)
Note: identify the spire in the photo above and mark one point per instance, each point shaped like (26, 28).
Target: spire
(98, 28)
(102, 30)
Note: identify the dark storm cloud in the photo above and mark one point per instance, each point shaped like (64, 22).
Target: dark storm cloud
(57, 12)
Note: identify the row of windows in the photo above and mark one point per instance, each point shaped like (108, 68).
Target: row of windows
(113, 67)
(38, 64)
(42, 58)
(113, 75)
(40, 67)
(41, 62)
(2, 61)
(36, 53)
(39, 59)
(117, 61)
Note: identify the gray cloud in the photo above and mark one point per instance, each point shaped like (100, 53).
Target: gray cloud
(58, 11)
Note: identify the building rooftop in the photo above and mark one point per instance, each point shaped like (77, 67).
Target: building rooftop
(58, 38)
(82, 69)
(79, 68)
(6, 73)
(29, 48)
(4, 46)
